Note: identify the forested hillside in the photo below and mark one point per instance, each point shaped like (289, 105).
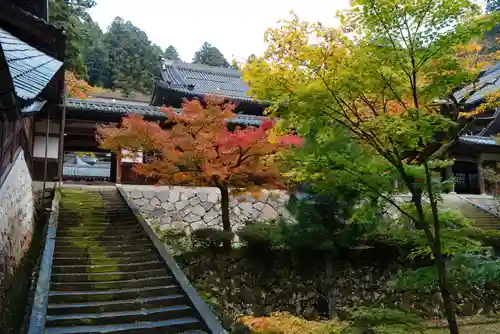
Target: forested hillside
(122, 57)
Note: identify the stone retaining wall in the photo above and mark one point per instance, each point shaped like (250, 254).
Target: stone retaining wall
(16, 219)
(192, 208)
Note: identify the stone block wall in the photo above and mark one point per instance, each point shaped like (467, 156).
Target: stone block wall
(16, 218)
(192, 208)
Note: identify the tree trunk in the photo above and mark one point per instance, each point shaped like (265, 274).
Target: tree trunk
(449, 308)
(224, 205)
(445, 293)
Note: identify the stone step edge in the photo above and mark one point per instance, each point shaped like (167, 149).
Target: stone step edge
(110, 292)
(103, 315)
(124, 327)
(116, 302)
(114, 282)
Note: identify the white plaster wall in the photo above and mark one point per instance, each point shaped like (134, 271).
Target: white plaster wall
(41, 126)
(192, 208)
(16, 217)
(39, 147)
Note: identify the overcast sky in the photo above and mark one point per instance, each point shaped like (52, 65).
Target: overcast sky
(236, 27)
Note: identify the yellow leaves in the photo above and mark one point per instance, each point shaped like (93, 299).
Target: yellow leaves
(285, 323)
(76, 87)
(491, 102)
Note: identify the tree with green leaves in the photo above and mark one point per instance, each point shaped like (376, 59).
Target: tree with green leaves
(234, 65)
(94, 53)
(70, 14)
(210, 55)
(131, 57)
(492, 37)
(171, 53)
(379, 76)
(337, 212)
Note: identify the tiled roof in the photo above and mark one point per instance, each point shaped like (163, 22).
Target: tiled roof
(197, 79)
(488, 82)
(126, 108)
(478, 140)
(36, 106)
(121, 108)
(30, 69)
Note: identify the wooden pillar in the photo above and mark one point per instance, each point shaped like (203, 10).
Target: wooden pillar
(480, 175)
(118, 167)
(112, 170)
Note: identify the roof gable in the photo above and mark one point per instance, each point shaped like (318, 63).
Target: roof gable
(197, 79)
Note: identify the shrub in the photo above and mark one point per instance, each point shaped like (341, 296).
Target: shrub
(490, 238)
(261, 235)
(447, 218)
(175, 240)
(378, 320)
(453, 219)
(284, 323)
(211, 237)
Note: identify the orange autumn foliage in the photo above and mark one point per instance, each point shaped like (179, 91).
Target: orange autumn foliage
(285, 323)
(199, 149)
(76, 87)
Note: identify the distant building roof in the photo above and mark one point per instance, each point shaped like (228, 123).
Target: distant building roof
(488, 82)
(200, 80)
(31, 70)
(117, 106)
(123, 108)
(479, 140)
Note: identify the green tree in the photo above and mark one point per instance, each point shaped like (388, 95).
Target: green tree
(492, 37)
(379, 76)
(94, 53)
(132, 59)
(337, 212)
(171, 53)
(234, 65)
(210, 55)
(70, 14)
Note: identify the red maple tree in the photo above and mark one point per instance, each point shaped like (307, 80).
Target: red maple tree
(199, 149)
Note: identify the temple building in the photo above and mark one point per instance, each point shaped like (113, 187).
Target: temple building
(476, 148)
(58, 130)
(177, 81)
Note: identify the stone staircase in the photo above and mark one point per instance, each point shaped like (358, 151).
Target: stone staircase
(468, 205)
(481, 218)
(108, 276)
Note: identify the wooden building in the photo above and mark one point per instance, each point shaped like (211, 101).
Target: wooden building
(177, 81)
(31, 87)
(476, 148)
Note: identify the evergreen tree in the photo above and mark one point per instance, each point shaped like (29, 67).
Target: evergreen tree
(70, 16)
(171, 53)
(234, 64)
(492, 37)
(210, 55)
(132, 58)
(95, 54)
